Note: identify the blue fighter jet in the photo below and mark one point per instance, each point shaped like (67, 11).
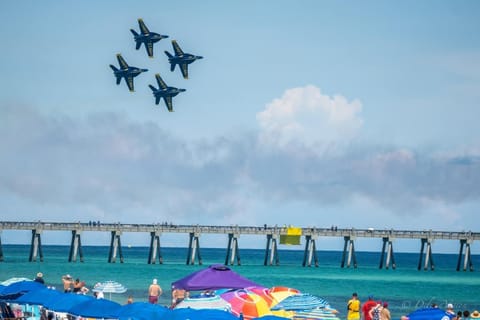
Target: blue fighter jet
(126, 72)
(180, 58)
(165, 92)
(146, 37)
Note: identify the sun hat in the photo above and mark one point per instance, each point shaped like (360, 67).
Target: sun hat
(475, 315)
(39, 274)
(154, 281)
(449, 306)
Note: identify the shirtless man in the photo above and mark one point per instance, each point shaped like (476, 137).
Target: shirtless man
(178, 295)
(67, 283)
(154, 291)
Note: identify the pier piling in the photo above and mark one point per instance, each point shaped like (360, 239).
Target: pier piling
(232, 249)
(271, 253)
(36, 246)
(310, 252)
(155, 248)
(115, 247)
(194, 249)
(467, 261)
(75, 247)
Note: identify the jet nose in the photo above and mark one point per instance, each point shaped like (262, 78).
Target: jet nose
(144, 70)
(182, 90)
(199, 57)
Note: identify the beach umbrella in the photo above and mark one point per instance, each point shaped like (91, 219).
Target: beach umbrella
(213, 303)
(270, 300)
(143, 311)
(264, 293)
(13, 280)
(194, 314)
(269, 317)
(214, 277)
(109, 287)
(300, 302)
(246, 303)
(317, 313)
(66, 301)
(39, 297)
(279, 293)
(16, 289)
(428, 314)
(96, 308)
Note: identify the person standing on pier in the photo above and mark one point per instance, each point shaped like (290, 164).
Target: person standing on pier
(154, 292)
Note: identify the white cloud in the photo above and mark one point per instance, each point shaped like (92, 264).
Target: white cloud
(306, 117)
(107, 167)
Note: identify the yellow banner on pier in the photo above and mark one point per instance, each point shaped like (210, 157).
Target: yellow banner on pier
(292, 237)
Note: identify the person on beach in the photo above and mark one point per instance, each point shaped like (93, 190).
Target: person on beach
(450, 312)
(39, 278)
(369, 304)
(353, 307)
(154, 292)
(385, 313)
(374, 312)
(178, 295)
(67, 283)
(78, 285)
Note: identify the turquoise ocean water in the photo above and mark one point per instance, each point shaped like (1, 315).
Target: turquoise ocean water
(405, 288)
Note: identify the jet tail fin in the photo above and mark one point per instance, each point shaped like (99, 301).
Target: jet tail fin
(113, 68)
(134, 32)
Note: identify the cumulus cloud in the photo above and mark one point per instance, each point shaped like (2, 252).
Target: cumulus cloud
(306, 117)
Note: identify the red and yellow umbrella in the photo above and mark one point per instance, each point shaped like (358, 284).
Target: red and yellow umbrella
(280, 293)
(247, 303)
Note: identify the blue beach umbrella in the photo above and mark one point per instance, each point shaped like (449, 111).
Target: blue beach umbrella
(96, 308)
(143, 311)
(39, 297)
(16, 289)
(429, 314)
(299, 302)
(66, 301)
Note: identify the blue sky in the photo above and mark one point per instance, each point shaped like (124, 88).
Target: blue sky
(312, 113)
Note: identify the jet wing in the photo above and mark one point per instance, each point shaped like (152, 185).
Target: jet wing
(184, 68)
(168, 103)
(129, 81)
(149, 47)
(143, 27)
(176, 48)
(160, 82)
(121, 62)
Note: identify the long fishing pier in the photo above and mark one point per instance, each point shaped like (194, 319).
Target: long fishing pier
(274, 236)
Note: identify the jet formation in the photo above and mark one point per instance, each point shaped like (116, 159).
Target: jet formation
(148, 38)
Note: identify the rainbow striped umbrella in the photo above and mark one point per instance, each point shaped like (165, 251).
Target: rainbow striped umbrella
(246, 303)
